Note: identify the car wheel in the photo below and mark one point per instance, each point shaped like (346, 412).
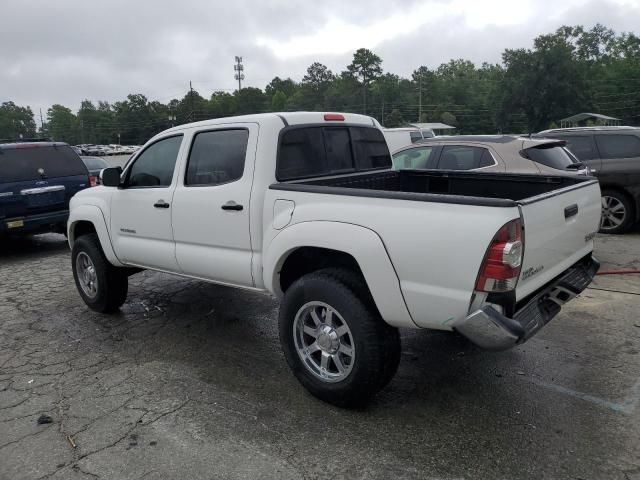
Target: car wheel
(102, 286)
(618, 214)
(334, 339)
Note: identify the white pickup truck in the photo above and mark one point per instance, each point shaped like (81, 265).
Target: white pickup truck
(306, 206)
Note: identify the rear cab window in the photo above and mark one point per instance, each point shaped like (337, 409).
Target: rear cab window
(38, 162)
(313, 151)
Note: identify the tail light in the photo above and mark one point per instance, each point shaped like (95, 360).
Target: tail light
(501, 265)
(93, 180)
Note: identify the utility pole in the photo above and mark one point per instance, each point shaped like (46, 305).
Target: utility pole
(190, 101)
(239, 68)
(420, 98)
(41, 123)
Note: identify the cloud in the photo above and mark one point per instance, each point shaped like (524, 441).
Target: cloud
(69, 50)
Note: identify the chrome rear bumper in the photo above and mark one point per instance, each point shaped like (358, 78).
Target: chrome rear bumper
(492, 330)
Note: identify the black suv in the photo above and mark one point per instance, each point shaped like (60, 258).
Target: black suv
(613, 155)
(37, 180)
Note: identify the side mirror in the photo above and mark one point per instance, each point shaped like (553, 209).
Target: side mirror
(110, 177)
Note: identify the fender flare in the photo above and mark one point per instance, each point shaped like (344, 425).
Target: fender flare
(93, 215)
(362, 243)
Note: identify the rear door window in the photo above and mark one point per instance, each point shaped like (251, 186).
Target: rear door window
(582, 146)
(39, 162)
(415, 158)
(217, 157)
(553, 156)
(464, 157)
(618, 146)
(316, 151)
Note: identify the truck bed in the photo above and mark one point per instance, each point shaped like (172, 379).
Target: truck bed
(473, 188)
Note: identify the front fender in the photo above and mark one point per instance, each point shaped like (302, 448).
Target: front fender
(92, 214)
(363, 244)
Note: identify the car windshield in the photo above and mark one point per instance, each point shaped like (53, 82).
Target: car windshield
(551, 155)
(35, 162)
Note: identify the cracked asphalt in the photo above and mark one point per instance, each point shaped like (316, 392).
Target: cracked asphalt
(188, 381)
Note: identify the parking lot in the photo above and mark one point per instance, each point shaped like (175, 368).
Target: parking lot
(188, 381)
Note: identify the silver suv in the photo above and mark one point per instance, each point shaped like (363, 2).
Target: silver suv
(613, 155)
(491, 153)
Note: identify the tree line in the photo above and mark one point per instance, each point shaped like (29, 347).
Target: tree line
(569, 71)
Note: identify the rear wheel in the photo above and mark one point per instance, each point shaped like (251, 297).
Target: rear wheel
(334, 340)
(102, 286)
(618, 213)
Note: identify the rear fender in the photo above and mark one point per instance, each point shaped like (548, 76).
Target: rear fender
(363, 244)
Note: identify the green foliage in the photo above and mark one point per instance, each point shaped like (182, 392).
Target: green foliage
(394, 119)
(16, 122)
(62, 124)
(571, 70)
(278, 101)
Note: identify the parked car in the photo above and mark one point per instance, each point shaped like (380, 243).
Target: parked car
(613, 155)
(311, 211)
(95, 165)
(37, 180)
(490, 153)
(398, 138)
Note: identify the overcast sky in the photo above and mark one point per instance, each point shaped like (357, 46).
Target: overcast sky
(63, 51)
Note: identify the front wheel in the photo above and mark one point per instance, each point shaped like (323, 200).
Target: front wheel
(617, 212)
(102, 286)
(334, 340)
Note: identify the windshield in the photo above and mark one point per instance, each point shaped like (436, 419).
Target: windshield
(29, 163)
(552, 155)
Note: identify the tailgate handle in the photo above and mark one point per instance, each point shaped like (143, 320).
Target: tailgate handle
(571, 211)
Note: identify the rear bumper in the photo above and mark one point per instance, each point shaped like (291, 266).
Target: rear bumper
(43, 222)
(492, 330)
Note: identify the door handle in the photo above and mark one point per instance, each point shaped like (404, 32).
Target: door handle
(231, 205)
(161, 204)
(571, 210)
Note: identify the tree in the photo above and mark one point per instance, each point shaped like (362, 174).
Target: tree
(286, 86)
(278, 101)
(366, 66)
(394, 119)
(222, 104)
(249, 100)
(62, 124)
(16, 122)
(318, 76)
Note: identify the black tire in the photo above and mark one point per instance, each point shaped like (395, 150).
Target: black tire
(376, 344)
(112, 282)
(609, 218)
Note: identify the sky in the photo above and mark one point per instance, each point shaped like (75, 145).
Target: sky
(64, 51)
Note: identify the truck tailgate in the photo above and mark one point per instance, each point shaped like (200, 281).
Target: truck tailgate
(559, 228)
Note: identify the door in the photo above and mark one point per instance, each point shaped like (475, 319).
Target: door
(141, 208)
(211, 205)
(620, 155)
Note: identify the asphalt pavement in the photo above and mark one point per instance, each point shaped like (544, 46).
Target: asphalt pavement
(188, 381)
